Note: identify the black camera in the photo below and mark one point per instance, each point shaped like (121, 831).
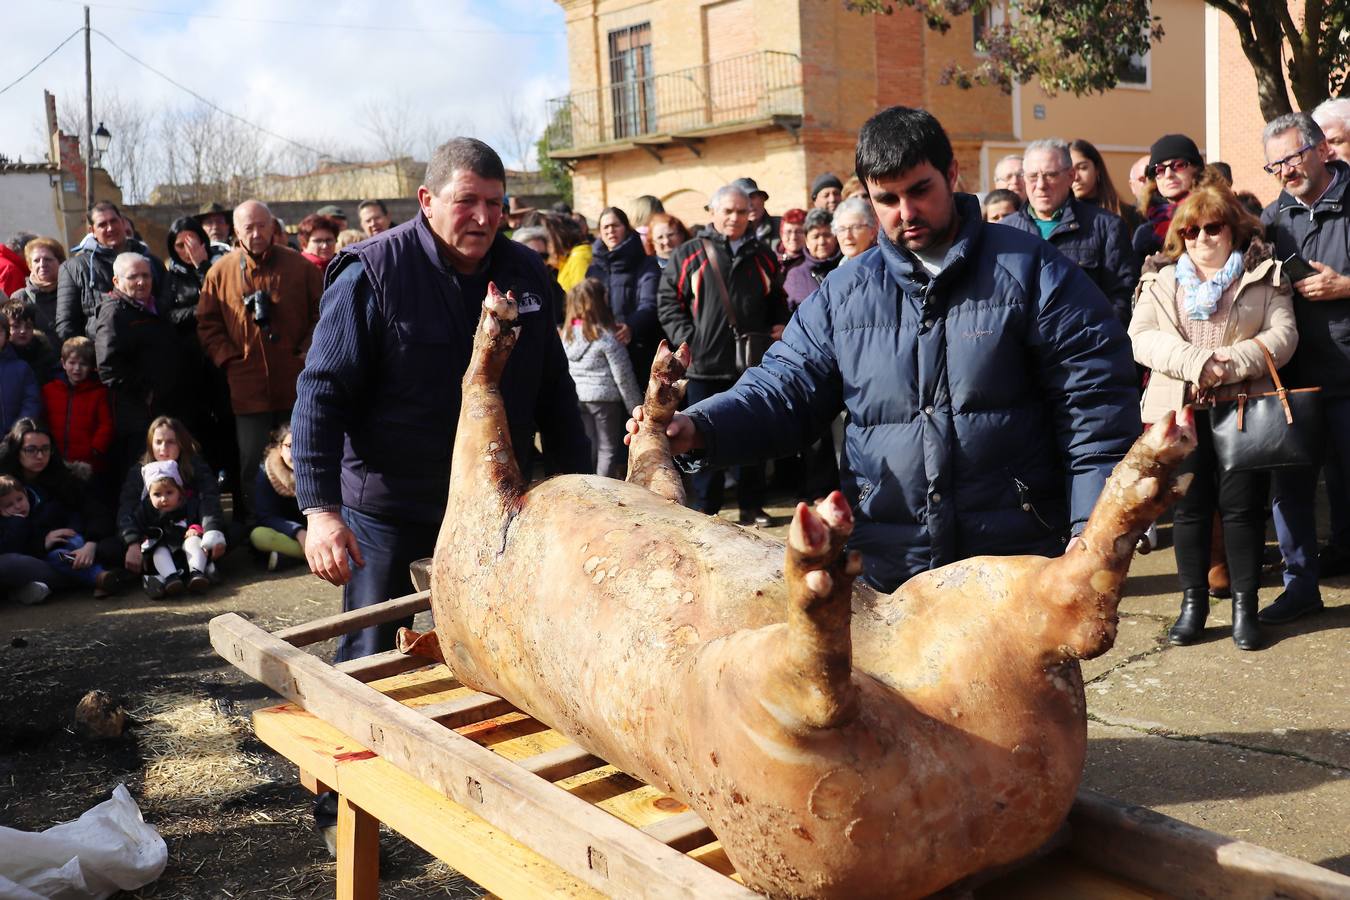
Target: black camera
(259, 306)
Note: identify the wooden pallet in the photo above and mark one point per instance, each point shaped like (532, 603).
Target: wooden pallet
(523, 811)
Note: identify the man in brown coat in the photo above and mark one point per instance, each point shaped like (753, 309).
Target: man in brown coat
(255, 316)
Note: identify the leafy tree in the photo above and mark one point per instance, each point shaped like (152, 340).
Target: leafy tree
(556, 171)
(1080, 46)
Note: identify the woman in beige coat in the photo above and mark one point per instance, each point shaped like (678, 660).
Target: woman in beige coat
(1199, 322)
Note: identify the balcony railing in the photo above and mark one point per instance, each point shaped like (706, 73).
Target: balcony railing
(754, 87)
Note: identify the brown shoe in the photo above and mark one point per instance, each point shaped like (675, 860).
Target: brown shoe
(198, 583)
(106, 584)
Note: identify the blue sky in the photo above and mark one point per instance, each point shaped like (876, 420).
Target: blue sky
(308, 70)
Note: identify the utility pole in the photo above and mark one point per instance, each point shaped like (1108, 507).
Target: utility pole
(88, 118)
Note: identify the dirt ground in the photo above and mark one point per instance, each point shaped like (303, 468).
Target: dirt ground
(238, 824)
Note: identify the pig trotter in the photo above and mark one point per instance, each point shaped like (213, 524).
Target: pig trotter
(815, 680)
(493, 339)
(419, 643)
(650, 463)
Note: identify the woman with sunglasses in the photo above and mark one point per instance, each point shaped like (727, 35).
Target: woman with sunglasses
(1200, 321)
(1174, 170)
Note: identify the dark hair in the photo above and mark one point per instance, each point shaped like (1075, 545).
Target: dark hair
(562, 207)
(1251, 203)
(817, 217)
(897, 139)
(315, 222)
(180, 225)
(1107, 197)
(1001, 195)
(280, 433)
(462, 153)
(188, 448)
(616, 213)
(365, 203)
(103, 206)
(11, 448)
(20, 241)
(19, 311)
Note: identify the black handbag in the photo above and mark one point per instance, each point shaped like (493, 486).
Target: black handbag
(750, 345)
(1277, 429)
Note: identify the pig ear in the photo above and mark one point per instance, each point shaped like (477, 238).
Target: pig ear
(679, 389)
(662, 349)
(685, 355)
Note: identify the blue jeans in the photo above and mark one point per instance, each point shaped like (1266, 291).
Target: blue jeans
(69, 575)
(708, 484)
(1295, 505)
(388, 548)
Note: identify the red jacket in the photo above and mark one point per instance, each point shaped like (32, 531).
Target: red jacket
(13, 271)
(81, 420)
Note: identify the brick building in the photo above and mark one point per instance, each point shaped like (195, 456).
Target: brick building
(676, 97)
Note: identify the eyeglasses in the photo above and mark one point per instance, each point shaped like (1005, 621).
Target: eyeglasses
(1034, 177)
(1293, 159)
(852, 229)
(38, 451)
(1213, 229)
(1177, 166)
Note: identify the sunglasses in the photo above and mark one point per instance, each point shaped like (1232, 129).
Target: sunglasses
(1213, 229)
(1176, 165)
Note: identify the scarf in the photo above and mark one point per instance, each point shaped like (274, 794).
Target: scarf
(1202, 297)
(1160, 217)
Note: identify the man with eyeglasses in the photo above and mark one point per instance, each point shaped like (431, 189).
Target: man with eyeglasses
(989, 387)
(257, 310)
(1093, 238)
(1309, 222)
(1008, 175)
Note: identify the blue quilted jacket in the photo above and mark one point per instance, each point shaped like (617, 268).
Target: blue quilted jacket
(986, 406)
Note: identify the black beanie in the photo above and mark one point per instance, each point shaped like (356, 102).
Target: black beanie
(829, 179)
(1174, 146)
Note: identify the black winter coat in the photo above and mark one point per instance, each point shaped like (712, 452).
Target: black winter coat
(139, 360)
(86, 279)
(632, 278)
(1321, 234)
(690, 302)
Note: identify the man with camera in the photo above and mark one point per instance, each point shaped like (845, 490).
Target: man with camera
(255, 317)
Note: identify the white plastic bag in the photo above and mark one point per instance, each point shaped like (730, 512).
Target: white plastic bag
(109, 848)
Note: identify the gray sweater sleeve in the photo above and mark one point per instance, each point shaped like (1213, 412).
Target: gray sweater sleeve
(622, 370)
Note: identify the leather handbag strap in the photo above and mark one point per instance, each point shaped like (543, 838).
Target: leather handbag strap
(711, 250)
(1280, 390)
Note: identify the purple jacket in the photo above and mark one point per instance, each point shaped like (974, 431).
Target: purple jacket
(803, 278)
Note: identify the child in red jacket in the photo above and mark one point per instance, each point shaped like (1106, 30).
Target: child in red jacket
(78, 409)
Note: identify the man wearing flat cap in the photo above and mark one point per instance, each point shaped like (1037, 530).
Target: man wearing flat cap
(215, 221)
(335, 213)
(763, 226)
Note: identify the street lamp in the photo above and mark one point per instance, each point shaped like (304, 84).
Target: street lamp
(102, 138)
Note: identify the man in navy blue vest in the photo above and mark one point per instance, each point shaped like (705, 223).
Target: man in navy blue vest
(379, 398)
(989, 386)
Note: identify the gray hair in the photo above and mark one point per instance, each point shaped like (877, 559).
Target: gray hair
(1010, 156)
(1308, 130)
(726, 190)
(125, 261)
(463, 154)
(859, 205)
(1337, 109)
(530, 233)
(1052, 145)
(817, 218)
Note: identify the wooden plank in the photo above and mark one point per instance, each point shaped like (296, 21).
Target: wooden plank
(1168, 855)
(445, 829)
(466, 710)
(555, 765)
(683, 832)
(354, 620)
(585, 841)
(358, 852)
(382, 665)
(420, 573)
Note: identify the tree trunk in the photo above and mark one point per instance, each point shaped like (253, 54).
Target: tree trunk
(1258, 28)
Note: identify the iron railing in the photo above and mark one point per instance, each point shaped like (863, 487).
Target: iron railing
(751, 87)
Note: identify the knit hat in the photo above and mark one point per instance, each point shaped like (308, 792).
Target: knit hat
(829, 179)
(1174, 146)
(159, 470)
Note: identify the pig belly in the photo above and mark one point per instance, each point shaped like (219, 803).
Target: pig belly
(588, 608)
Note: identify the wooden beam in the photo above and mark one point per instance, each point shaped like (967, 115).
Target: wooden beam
(466, 710)
(1184, 861)
(382, 665)
(358, 853)
(684, 832)
(355, 620)
(583, 840)
(564, 762)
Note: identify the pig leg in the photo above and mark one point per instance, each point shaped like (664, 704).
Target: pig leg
(483, 455)
(1086, 581)
(650, 463)
(813, 681)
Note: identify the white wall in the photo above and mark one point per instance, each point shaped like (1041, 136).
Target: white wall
(26, 205)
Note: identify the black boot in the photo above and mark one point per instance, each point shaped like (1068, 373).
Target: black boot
(1246, 627)
(1194, 611)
